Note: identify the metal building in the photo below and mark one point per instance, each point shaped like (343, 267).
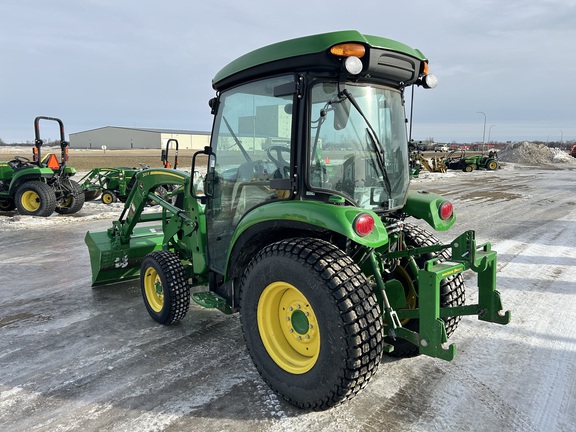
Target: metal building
(118, 138)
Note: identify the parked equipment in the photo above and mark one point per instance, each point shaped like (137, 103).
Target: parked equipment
(164, 157)
(472, 162)
(110, 184)
(310, 242)
(40, 186)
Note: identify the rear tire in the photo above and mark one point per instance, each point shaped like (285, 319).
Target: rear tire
(491, 165)
(452, 288)
(35, 198)
(311, 322)
(73, 200)
(164, 287)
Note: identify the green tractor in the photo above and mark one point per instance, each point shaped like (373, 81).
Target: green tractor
(110, 184)
(40, 186)
(319, 247)
(114, 184)
(472, 162)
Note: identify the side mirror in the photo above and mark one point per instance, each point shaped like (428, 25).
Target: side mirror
(341, 114)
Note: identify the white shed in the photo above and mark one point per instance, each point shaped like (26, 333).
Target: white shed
(118, 138)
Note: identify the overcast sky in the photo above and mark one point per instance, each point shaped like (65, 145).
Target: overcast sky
(140, 63)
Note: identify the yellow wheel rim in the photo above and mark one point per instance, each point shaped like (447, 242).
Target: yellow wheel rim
(411, 297)
(30, 201)
(153, 289)
(288, 327)
(107, 198)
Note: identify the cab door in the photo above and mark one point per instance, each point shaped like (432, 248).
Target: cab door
(251, 146)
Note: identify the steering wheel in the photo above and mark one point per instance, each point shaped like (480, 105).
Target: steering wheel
(20, 161)
(278, 160)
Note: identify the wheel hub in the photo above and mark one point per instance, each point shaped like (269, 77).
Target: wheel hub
(288, 327)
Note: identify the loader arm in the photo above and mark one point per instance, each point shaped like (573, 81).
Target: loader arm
(140, 195)
(117, 253)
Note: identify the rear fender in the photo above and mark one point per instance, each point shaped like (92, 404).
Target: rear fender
(425, 205)
(309, 216)
(30, 173)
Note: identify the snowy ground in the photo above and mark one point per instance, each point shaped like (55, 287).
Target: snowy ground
(78, 358)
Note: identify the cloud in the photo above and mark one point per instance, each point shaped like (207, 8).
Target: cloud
(101, 62)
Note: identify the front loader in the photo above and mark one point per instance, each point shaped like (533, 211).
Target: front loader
(110, 184)
(305, 224)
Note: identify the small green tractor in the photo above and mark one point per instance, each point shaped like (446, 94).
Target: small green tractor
(472, 162)
(110, 184)
(40, 186)
(305, 224)
(114, 184)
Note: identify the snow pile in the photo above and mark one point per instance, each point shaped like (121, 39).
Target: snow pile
(537, 154)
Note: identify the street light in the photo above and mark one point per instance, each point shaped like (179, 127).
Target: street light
(561, 136)
(490, 130)
(484, 134)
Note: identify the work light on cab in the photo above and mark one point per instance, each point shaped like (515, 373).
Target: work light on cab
(446, 210)
(427, 80)
(353, 53)
(363, 224)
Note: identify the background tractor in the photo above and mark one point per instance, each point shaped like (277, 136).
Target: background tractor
(317, 246)
(472, 162)
(114, 184)
(109, 184)
(40, 186)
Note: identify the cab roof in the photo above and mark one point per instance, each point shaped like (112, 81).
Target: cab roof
(300, 54)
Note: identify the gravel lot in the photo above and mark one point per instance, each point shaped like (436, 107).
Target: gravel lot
(77, 358)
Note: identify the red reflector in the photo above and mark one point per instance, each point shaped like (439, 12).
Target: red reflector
(446, 209)
(363, 224)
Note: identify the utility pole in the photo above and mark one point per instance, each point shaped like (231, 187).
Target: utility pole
(484, 134)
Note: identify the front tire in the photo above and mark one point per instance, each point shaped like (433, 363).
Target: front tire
(7, 205)
(311, 322)
(164, 287)
(108, 197)
(35, 198)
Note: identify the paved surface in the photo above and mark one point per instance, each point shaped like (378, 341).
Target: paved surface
(77, 358)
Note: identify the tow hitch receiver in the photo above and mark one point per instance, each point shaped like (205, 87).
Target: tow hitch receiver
(431, 338)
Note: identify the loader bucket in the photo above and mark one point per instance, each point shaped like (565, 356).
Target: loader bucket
(113, 263)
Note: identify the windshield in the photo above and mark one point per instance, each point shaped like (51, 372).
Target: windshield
(358, 144)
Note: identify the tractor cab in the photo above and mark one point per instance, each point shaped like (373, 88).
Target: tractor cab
(327, 128)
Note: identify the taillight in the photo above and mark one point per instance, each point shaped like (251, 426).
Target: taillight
(445, 210)
(363, 224)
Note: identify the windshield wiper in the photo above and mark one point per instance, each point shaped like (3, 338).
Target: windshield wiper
(238, 142)
(373, 138)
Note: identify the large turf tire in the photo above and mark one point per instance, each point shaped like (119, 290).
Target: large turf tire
(491, 164)
(73, 199)
(452, 288)
(311, 322)
(164, 287)
(35, 198)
